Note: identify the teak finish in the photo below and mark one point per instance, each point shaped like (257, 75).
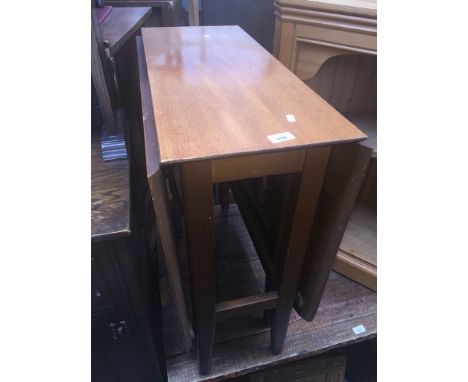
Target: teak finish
(216, 93)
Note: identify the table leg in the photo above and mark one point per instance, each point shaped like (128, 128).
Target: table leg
(197, 191)
(313, 173)
(224, 195)
(268, 313)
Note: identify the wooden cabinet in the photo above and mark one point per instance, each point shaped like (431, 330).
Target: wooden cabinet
(332, 47)
(125, 313)
(124, 342)
(307, 33)
(166, 13)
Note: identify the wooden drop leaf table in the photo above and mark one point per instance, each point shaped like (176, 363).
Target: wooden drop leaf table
(225, 109)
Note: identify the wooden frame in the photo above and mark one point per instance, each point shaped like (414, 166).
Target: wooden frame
(197, 180)
(322, 32)
(332, 47)
(101, 80)
(157, 186)
(347, 168)
(207, 147)
(106, 40)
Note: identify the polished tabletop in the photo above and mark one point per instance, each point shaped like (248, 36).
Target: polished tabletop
(217, 93)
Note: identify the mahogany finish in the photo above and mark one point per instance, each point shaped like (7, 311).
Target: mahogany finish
(156, 183)
(216, 93)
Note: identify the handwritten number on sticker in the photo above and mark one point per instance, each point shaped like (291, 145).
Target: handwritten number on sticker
(281, 137)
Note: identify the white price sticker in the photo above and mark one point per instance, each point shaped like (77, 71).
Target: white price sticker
(281, 137)
(359, 329)
(291, 118)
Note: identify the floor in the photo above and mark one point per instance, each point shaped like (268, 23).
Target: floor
(242, 344)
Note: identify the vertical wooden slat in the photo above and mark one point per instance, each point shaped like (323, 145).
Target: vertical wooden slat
(159, 198)
(197, 193)
(346, 169)
(339, 80)
(348, 85)
(372, 96)
(276, 37)
(99, 80)
(286, 44)
(315, 165)
(164, 226)
(315, 82)
(363, 85)
(328, 77)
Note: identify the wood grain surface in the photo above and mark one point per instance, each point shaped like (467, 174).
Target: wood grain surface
(366, 8)
(110, 195)
(348, 83)
(346, 170)
(120, 24)
(357, 257)
(216, 92)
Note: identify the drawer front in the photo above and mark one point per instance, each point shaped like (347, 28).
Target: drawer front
(346, 38)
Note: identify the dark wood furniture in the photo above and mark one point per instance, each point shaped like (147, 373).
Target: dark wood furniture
(107, 39)
(225, 110)
(125, 316)
(171, 10)
(242, 343)
(120, 25)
